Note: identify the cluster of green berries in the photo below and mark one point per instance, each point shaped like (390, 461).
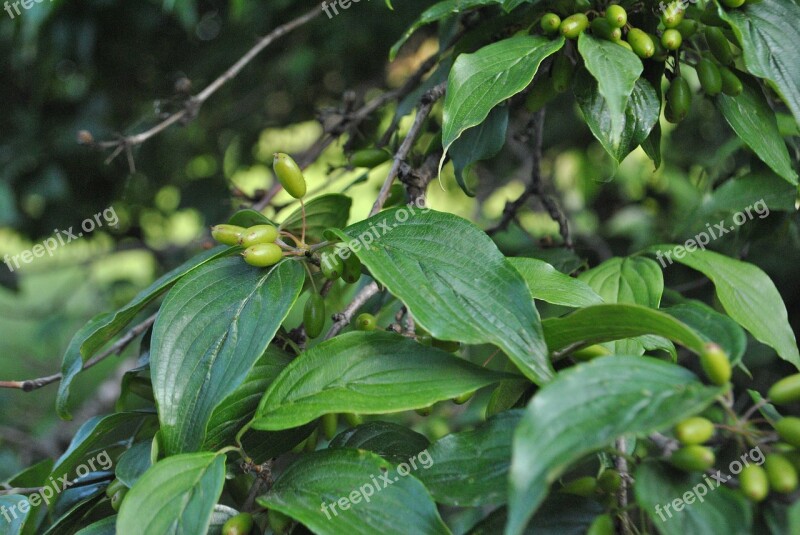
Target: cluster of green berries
(116, 492)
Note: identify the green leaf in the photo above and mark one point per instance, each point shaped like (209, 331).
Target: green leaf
(32, 476)
(479, 143)
(393, 442)
(754, 122)
(747, 294)
(176, 496)
(322, 212)
(640, 116)
(435, 13)
(133, 463)
(238, 408)
(470, 468)
(211, 329)
(107, 526)
(721, 510)
(602, 323)
(616, 70)
(366, 373)
(16, 522)
(248, 218)
(455, 282)
(327, 492)
(653, 73)
(478, 82)
(635, 280)
(738, 193)
(712, 326)
(768, 33)
(548, 284)
(587, 407)
(104, 327)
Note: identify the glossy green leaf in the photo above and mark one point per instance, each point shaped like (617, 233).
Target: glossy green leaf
(248, 218)
(653, 73)
(722, 510)
(712, 326)
(176, 496)
(754, 122)
(15, 522)
(479, 143)
(748, 296)
(478, 82)
(641, 113)
(741, 192)
(616, 70)
(373, 372)
(212, 328)
(133, 463)
(455, 282)
(548, 284)
(602, 323)
(327, 492)
(107, 526)
(435, 13)
(470, 468)
(322, 212)
(238, 408)
(587, 407)
(104, 327)
(393, 442)
(768, 32)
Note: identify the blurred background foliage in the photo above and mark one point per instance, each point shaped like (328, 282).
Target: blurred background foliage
(112, 67)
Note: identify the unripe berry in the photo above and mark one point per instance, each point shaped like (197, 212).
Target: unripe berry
(583, 486)
(263, 255)
(616, 16)
(671, 39)
(572, 26)
(227, 234)
(241, 524)
(694, 430)
(673, 15)
(787, 390)
(789, 430)
(709, 76)
(693, 458)
(641, 43)
(289, 175)
(278, 521)
(369, 158)
(715, 361)
(550, 22)
(781, 474)
(314, 315)
(258, 234)
(365, 322)
(731, 85)
(753, 483)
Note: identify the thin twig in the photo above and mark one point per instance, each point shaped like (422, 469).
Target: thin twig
(33, 384)
(621, 464)
(426, 104)
(341, 319)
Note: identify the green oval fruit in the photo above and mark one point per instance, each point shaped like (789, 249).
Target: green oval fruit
(572, 26)
(602, 525)
(278, 521)
(463, 398)
(550, 22)
(314, 315)
(671, 39)
(118, 497)
(583, 486)
(679, 100)
(590, 352)
(369, 158)
(115, 486)
(709, 76)
(330, 423)
(753, 483)
(562, 73)
(542, 92)
(694, 430)
(687, 28)
(331, 265)
(715, 363)
(625, 44)
(641, 43)
(781, 474)
(603, 29)
(263, 255)
(673, 15)
(789, 430)
(351, 271)
(353, 419)
(609, 481)
(733, 3)
(366, 322)
(616, 16)
(258, 234)
(787, 390)
(397, 195)
(227, 234)
(693, 458)
(719, 45)
(241, 524)
(289, 174)
(731, 84)
(661, 53)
